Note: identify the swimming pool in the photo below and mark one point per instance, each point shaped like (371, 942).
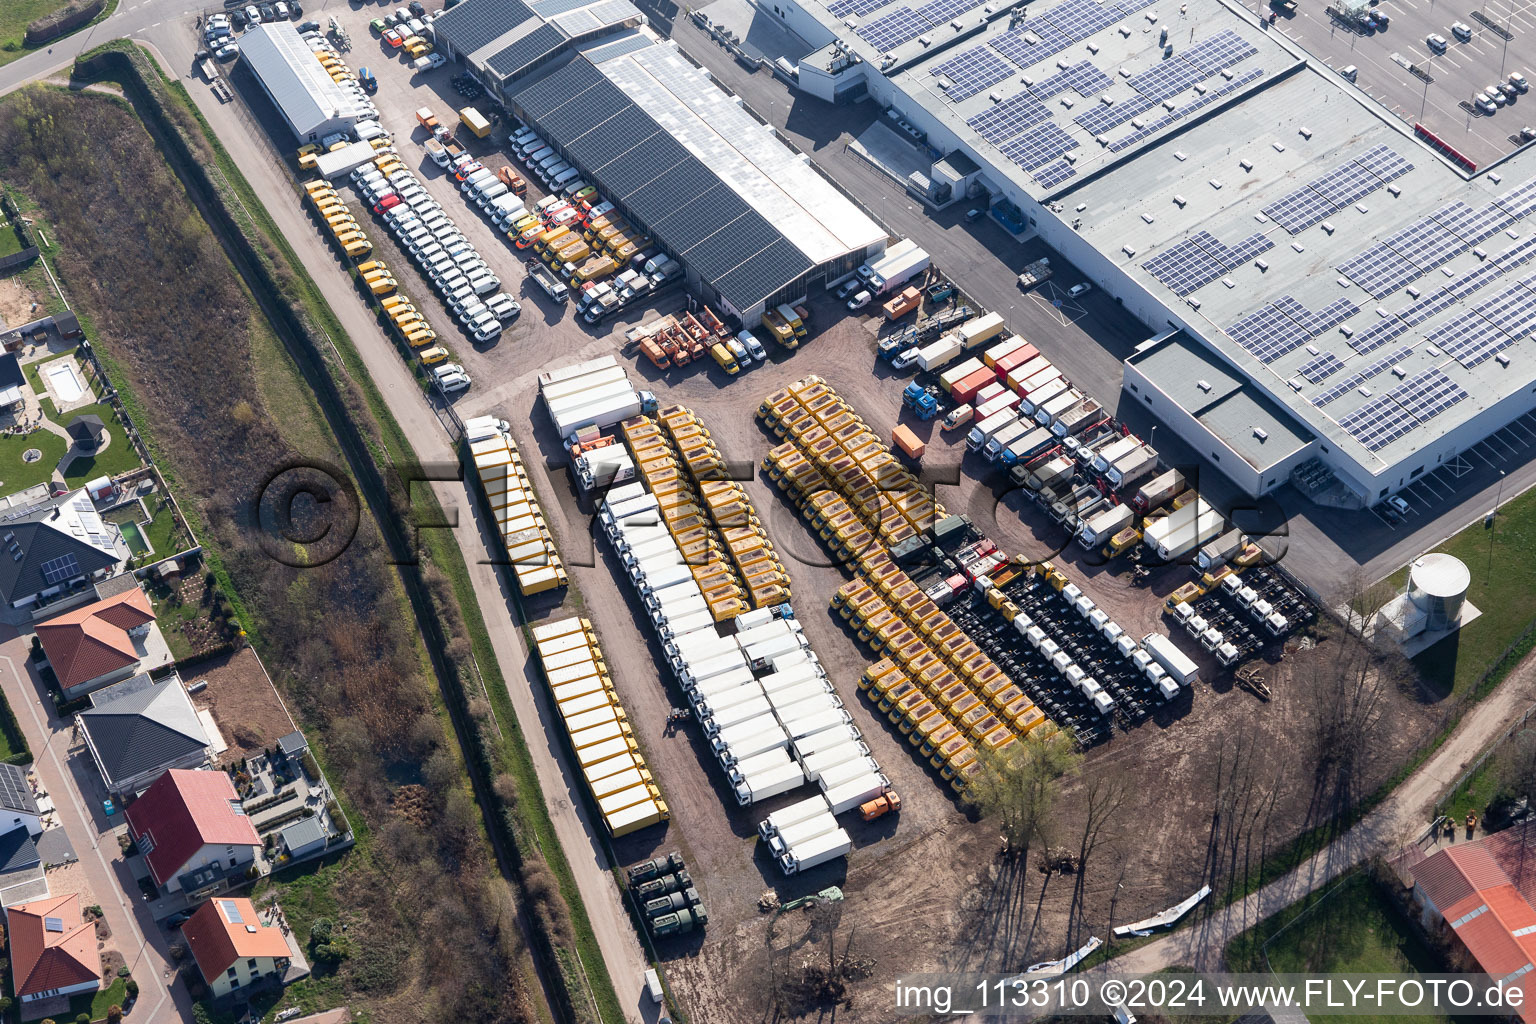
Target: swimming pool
(66, 381)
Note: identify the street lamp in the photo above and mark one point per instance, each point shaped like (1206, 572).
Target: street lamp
(1493, 528)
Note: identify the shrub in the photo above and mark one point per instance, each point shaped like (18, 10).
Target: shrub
(114, 1014)
(320, 930)
(133, 988)
(82, 1018)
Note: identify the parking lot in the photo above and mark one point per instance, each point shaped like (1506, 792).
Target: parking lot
(1441, 97)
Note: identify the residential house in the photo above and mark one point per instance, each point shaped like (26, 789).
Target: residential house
(1466, 897)
(18, 804)
(55, 546)
(100, 643)
(22, 878)
(193, 832)
(139, 728)
(233, 949)
(53, 949)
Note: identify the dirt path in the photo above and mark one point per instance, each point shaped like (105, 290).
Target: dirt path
(1401, 817)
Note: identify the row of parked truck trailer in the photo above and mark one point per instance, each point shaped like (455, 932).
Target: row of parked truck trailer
(530, 547)
(596, 726)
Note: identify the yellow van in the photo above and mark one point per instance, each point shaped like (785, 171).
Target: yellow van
(402, 312)
(325, 197)
(360, 248)
(435, 354)
(381, 285)
(412, 324)
(394, 300)
(371, 267)
(340, 219)
(722, 355)
(346, 238)
(421, 338)
(308, 161)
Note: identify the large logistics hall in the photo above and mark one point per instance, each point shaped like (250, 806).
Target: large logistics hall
(311, 102)
(750, 220)
(1319, 283)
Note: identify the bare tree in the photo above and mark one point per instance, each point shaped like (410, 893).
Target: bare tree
(1517, 765)
(1104, 797)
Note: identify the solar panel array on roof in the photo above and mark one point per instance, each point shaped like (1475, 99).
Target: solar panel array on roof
(1284, 325)
(474, 23)
(1520, 200)
(1000, 123)
(972, 71)
(892, 29)
(1354, 380)
(517, 55)
(940, 11)
(854, 8)
(1048, 32)
(1379, 422)
(1183, 110)
(550, 8)
(1082, 78)
(1347, 183)
(15, 793)
(627, 42)
(1201, 258)
(1054, 174)
(1039, 145)
(665, 188)
(1319, 368)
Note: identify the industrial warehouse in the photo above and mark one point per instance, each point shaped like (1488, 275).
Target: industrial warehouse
(752, 223)
(310, 101)
(1189, 161)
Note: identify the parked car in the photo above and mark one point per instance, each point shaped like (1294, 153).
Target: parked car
(1482, 102)
(847, 288)
(753, 346)
(1517, 80)
(451, 382)
(859, 301)
(229, 51)
(1079, 289)
(431, 62)
(252, 14)
(1461, 31)
(1436, 42)
(309, 26)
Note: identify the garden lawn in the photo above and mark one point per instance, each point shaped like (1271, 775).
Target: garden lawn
(15, 474)
(1352, 928)
(119, 457)
(1503, 564)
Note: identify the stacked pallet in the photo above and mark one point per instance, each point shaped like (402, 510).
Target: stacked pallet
(597, 727)
(746, 542)
(524, 532)
(854, 461)
(683, 514)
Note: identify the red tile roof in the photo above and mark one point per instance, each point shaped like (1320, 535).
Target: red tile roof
(183, 811)
(225, 930)
(43, 959)
(1485, 910)
(93, 640)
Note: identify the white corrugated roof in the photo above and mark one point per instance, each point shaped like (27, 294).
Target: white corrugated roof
(773, 179)
(293, 75)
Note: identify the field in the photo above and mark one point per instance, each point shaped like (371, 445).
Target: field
(185, 354)
(15, 15)
(1351, 928)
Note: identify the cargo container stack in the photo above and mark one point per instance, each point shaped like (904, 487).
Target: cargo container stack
(530, 547)
(683, 514)
(596, 726)
(746, 542)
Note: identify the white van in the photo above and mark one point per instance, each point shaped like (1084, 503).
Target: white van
(532, 159)
(564, 178)
(484, 283)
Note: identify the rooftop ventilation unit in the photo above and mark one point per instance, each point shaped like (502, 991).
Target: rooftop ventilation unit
(1261, 433)
(1395, 190)
(1180, 202)
(1203, 385)
(1128, 251)
(1304, 132)
(1194, 303)
(1279, 147)
(1311, 350)
(1216, 184)
(1261, 264)
(925, 40)
(1502, 358)
(1399, 372)
(1412, 291)
(1364, 391)
(1246, 165)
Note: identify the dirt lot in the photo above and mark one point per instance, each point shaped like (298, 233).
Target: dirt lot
(924, 890)
(244, 704)
(18, 303)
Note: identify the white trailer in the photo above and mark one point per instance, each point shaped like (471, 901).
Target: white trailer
(775, 758)
(809, 725)
(698, 671)
(824, 760)
(1114, 452)
(769, 783)
(896, 272)
(725, 710)
(1103, 525)
(802, 810)
(849, 771)
(800, 833)
(748, 738)
(1174, 661)
(825, 847)
(859, 791)
(830, 737)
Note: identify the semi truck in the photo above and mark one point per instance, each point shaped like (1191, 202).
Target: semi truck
(1047, 411)
(800, 833)
(769, 783)
(647, 870)
(546, 280)
(1113, 452)
(1079, 418)
(680, 923)
(1025, 448)
(859, 791)
(1215, 554)
(1174, 661)
(1158, 491)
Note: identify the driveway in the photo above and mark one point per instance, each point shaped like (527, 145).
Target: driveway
(61, 771)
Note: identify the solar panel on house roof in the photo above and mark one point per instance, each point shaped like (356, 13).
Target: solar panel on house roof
(15, 794)
(890, 30)
(972, 71)
(1054, 174)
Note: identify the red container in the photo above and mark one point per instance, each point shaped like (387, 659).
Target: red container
(1014, 360)
(966, 387)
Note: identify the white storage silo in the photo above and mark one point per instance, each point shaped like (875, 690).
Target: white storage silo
(1437, 586)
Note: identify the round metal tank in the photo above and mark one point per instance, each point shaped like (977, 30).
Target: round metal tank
(1437, 586)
